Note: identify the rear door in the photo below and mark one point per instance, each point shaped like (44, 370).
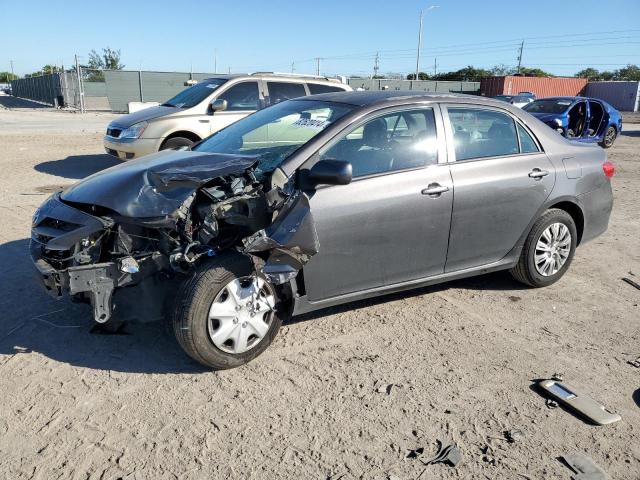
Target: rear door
(501, 178)
(391, 223)
(279, 91)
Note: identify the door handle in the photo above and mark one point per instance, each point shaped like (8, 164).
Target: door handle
(537, 173)
(434, 189)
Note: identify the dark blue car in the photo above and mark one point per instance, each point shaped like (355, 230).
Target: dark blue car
(579, 118)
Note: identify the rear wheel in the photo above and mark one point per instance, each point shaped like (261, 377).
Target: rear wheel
(176, 142)
(226, 314)
(609, 137)
(548, 249)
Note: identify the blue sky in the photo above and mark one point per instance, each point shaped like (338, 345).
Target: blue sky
(269, 35)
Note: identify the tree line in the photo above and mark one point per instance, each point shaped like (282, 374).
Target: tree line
(470, 73)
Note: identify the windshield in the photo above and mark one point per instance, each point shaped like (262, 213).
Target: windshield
(504, 98)
(192, 96)
(273, 134)
(548, 106)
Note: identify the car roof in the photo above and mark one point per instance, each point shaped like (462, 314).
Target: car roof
(563, 98)
(378, 97)
(275, 76)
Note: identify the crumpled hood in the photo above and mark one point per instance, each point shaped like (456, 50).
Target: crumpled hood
(125, 121)
(155, 185)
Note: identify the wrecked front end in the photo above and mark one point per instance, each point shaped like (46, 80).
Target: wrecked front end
(122, 239)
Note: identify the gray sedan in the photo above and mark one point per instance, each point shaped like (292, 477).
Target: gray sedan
(316, 202)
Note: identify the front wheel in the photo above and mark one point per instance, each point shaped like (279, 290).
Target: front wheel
(548, 249)
(609, 137)
(226, 314)
(176, 142)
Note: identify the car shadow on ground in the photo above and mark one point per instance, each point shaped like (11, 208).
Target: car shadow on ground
(7, 101)
(77, 166)
(492, 281)
(630, 133)
(32, 321)
(63, 331)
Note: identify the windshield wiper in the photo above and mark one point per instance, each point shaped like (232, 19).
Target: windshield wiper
(167, 105)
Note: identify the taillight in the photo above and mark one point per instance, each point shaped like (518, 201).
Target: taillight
(609, 169)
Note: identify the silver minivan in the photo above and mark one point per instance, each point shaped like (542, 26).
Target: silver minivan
(206, 107)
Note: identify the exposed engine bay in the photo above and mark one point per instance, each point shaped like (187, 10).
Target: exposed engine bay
(122, 238)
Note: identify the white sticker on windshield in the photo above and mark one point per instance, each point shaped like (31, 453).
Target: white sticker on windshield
(564, 102)
(309, 123)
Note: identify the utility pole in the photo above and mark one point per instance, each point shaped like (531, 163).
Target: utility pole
(376, 65)
(215, 60)
(435, 66)
(420, 37)
(520, 56)
(293, 67)
(318, 65)
(80, 92)
(12, 74)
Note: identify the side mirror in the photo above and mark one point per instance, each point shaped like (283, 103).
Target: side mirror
(217, 105)
(330, 172)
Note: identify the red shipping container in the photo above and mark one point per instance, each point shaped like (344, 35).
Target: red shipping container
(541, 86)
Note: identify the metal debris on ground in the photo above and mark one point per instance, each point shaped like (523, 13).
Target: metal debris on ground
(447, 454)
(414, 453)
(513, 436)
(634, 363)
(631, 282)
(551, 403)
(584, 467)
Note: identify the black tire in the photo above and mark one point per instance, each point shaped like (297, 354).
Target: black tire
(525, 271)
(176, 142)
(192, 304)
(609, 137)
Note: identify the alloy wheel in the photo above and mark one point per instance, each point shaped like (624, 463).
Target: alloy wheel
(609, 137)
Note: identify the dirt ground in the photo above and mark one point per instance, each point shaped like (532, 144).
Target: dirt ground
(343, 393)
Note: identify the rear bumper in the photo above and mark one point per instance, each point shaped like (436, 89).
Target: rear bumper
(129, 148)
(597, 206)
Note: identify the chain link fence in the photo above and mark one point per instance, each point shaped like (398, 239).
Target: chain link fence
(112, 90)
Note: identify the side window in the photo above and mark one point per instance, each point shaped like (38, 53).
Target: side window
(242, 96)
(397, 141)
(281, 91)
(482, 133)
(316, 88)
(527, 144)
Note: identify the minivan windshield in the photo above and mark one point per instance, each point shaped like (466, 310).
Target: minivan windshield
(276, 132)
(557, 105)
(192, 96)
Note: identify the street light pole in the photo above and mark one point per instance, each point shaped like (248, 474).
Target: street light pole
(420, 38)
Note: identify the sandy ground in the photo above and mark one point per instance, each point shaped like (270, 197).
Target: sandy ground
(460, 359)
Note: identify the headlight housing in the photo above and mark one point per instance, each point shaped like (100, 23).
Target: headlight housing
(134, 131)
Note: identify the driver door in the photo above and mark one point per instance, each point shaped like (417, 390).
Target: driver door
(391, 223)
(242, 98)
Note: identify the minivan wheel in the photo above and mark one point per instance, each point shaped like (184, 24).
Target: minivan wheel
(226, 314)
(176, 142)
(548, 249)
(609, 137)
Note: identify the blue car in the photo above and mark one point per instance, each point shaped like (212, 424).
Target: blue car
(579, 118)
